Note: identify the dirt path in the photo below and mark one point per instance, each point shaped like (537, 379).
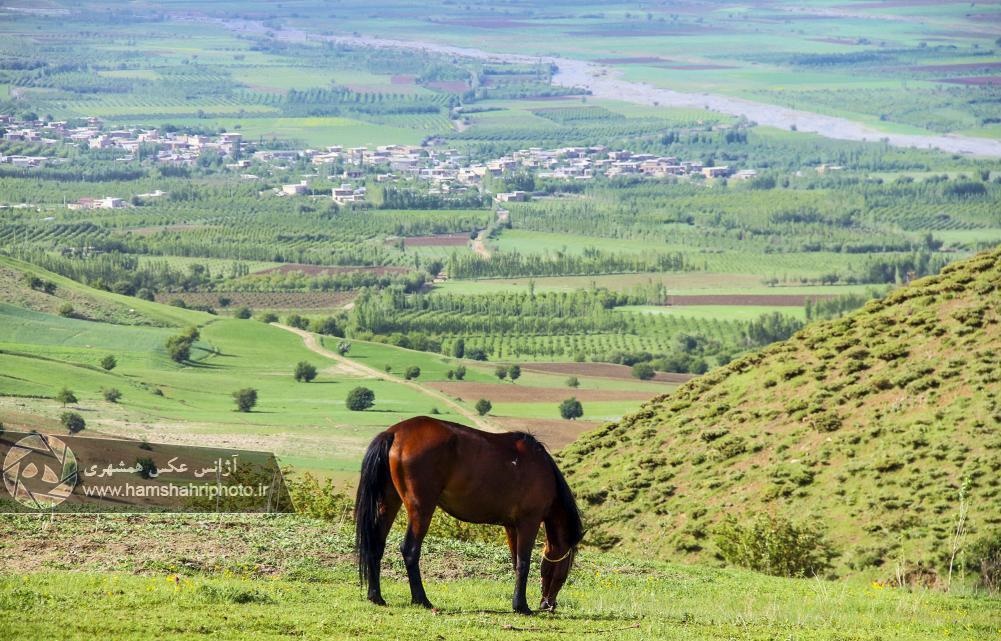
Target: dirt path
(352, 368)
(479, 245)
(605, 82)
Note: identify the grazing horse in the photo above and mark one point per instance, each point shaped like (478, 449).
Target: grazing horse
(505, 479)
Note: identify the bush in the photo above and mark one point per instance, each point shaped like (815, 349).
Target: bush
(147, 467)
(774, 545)
(109, 362)
(571, 409)
(501, 372)
(573, 381)
(304, 372)
(360, 399)
(66, 396)
(460, 372)
(514, 372)
(66, 310)
(72, 421)
(244, 313)
(111, 394)
(483, 406)
(328, 326)
(476, 353)
(412, 372)
(269, 317)
(984, 557)
(297, 321)
(319, 500)
(643, 371)
(245, 398)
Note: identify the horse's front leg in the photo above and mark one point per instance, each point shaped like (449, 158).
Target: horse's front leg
(527, 531)
(419, 521)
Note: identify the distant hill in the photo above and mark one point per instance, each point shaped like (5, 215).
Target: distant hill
(872, 426)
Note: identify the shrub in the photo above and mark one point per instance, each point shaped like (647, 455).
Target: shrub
(571, 409)
(72, 421)
(268, 317)
(573, 382)
(111, 394)
(774, 545)
(460, 372)
(514, 372)
(304, 372)
(245, 398)
(147, 467)
(412, 372)
(328, 326)
(179, 346)
(483, 406)
(109, 362)
(66, 310)
(319, 500)
(828, 422)
(244, 313)
(66, 396)
(476, 353)
(984, 557)
(643, 371)
(501, 372)
(297, 321)
(360, 399)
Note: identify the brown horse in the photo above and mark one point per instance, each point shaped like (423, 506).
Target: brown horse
(505, 479)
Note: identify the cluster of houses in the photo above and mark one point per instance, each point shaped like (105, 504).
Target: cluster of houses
(171, 147)
(446, 172)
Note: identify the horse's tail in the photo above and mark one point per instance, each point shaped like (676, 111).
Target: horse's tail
(369, 544)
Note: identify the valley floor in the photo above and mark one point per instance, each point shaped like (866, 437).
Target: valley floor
(276, 577)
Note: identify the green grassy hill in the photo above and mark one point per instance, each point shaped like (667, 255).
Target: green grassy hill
(24, 285)
(874, 426)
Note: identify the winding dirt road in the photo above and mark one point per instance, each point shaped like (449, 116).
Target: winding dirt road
(604, 82)
(353, 368)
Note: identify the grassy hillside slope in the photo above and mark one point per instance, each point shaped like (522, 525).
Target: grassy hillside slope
(873, 426)
(87, 302)
(261, 577)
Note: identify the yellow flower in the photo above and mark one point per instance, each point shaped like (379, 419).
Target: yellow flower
(878, 585)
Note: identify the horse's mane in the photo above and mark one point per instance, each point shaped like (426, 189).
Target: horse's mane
(564, 495)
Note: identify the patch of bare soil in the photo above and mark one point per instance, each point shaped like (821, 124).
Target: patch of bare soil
(514, 393)
(602, 370)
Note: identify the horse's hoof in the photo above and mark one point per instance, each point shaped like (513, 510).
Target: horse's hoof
(376, 599)
(424, 604)
(524, 609)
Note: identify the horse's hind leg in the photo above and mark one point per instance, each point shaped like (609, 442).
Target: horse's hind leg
(387, 514)
(420, 514)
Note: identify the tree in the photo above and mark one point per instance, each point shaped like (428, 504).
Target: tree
(644, 371)
(459, 348)
(343, 347)
(111, 394)
(514, 372)
(72, 421)
(328, 326)
(573, 382)
(476, 353)
(500, 372)
(412, 372)
(304, 372)
(179, 348)
(571, 409)
(483, 406)
(460, 372)
(245, 398)
(360, 399)
(109, 362)
(244, 313)
(66, 396)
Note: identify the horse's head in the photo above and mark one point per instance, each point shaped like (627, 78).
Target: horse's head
(554, 574)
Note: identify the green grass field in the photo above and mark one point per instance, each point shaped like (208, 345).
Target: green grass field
(292, 577)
